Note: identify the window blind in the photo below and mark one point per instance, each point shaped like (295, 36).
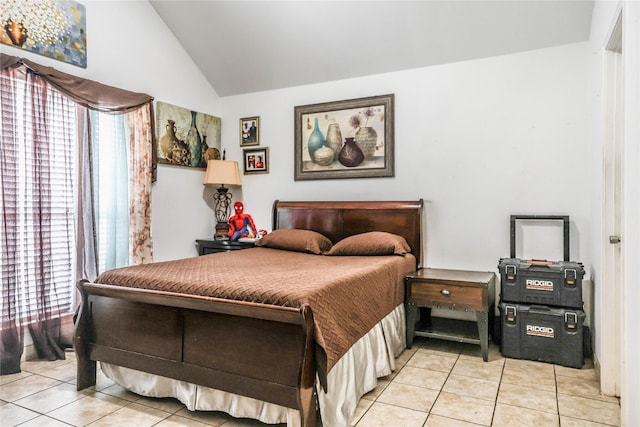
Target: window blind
(38, 135)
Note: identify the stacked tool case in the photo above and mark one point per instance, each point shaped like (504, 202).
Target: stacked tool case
(541, 316)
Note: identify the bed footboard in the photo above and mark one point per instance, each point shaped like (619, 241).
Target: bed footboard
(255, 350)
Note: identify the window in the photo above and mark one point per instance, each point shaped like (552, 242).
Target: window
(51, 202)
(110, 154)
(38, 135)
(38, 185)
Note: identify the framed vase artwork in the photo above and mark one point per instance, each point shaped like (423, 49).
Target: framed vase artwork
(186, 137)
(345, 139)
(250, 131)
(256, 160)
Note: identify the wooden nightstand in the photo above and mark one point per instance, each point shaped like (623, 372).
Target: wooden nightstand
(211, 246)
(456, 290)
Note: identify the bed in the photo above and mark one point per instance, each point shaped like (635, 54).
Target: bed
(274, 353)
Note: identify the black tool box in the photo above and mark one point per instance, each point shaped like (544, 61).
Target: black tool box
(545, 334)
(556, 283)
(553, 283)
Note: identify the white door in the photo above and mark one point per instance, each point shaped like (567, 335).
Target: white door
(613, 274)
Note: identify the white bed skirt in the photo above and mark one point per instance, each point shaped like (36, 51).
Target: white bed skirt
(354, 375)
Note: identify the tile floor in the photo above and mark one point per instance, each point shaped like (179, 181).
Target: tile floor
(437, 383)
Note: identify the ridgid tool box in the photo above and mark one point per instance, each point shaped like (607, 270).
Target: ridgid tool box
(541, 316)
(553, 283)
(544, 334)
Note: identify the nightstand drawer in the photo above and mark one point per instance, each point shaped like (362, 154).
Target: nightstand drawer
(447, 296)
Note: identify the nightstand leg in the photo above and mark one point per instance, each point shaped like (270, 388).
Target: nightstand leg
(483, 330)
(411, 312)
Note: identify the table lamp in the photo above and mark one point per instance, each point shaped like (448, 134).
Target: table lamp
(222, 172)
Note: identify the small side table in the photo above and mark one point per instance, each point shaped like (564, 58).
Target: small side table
(456, 290)
(212, 246)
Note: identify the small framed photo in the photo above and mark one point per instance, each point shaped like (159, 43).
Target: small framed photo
(250, 131)
(256, 160)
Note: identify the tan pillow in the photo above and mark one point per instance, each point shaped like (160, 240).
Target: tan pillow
(371, 243)
(298, 240)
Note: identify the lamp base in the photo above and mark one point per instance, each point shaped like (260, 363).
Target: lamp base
(222, 231)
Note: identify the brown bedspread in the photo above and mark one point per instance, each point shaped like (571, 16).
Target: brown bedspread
(348, 295)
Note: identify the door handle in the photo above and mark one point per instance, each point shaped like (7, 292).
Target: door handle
(614, 239)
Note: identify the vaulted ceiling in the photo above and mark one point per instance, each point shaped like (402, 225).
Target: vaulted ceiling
(252, 46)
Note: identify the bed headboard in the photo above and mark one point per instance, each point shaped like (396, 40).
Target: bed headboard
(338, 220)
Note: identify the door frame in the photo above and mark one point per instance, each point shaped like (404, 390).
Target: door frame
(613, 277)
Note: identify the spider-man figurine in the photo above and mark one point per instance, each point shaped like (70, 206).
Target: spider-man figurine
(240, 223)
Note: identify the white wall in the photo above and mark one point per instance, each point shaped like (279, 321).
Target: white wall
(480, 139)
(130, 47)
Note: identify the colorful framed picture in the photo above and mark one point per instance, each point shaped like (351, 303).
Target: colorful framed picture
(345, 139)
(55, 29)
(250, 131)
(185, 137)
(256, 160)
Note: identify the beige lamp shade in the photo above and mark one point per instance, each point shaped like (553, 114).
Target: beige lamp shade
(222, 172)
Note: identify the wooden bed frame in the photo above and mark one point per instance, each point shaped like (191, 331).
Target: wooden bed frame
(260, 351)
